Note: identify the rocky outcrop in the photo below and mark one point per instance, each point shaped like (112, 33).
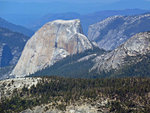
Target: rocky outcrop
(86, 108)
(9, 85)
(138, 45)
(54, 41)
(114, 31)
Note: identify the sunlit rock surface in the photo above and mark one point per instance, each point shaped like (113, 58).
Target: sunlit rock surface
(54, 41)
(137, 45)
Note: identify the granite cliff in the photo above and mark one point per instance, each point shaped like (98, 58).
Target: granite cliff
(54, 41)
(131, 52)
(130, 59)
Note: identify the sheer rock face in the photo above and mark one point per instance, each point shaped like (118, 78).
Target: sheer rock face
(137, 45)
(54, 41)
(114, 31)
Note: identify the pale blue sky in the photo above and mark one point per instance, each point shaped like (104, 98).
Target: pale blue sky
(27, 11)
(58, 6)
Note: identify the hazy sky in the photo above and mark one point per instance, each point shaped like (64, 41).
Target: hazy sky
(27, 11)
(58, 6)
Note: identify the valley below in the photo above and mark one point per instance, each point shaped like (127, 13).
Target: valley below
(68, 95)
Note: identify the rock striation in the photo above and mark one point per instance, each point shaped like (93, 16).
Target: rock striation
(138, 45)
(54, 41)
(114, 31)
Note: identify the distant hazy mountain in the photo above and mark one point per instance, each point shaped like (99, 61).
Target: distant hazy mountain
(11, 46)
(15, 28)
(5, 71)
(93, 18)
(114, 31)
(87, 19)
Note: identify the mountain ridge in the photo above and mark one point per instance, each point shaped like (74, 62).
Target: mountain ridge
(11, 46)
(86, 19)
(15, 28)
(136, 46)
(114, 31)
(12, 50)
